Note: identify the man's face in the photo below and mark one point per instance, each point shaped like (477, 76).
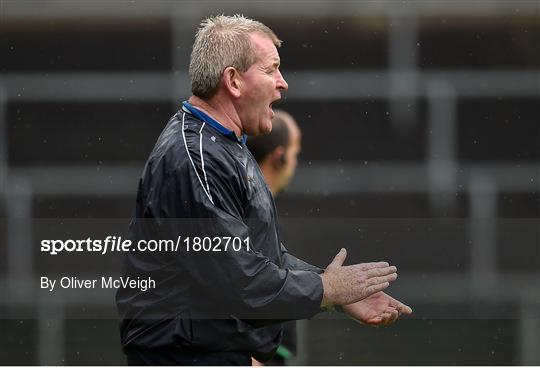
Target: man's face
(262, 84)
(291, 157)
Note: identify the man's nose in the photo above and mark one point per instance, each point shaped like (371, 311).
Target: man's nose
(281, 83)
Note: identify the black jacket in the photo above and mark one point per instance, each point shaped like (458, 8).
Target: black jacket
(201, 180)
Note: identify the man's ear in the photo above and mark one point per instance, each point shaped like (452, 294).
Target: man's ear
(232, 81)
(277, 157)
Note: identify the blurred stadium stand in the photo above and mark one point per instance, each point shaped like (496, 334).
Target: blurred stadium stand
(421, 129)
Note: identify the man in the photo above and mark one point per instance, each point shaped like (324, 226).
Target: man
(277, 152)
(200, 181)
(277, 156)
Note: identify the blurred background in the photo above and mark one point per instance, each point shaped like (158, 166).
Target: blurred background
(421, 146)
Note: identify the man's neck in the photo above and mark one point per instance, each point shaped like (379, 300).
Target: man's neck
(220, 110)
(269, 177)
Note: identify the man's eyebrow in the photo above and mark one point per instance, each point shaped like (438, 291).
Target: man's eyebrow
(274, 63)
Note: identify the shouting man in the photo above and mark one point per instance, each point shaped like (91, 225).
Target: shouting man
(213, 304)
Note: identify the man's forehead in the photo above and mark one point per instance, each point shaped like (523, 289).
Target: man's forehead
(264, 45)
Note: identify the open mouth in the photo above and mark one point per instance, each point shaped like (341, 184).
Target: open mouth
(271, 106)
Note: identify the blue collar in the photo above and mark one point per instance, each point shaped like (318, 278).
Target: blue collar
(213, 122)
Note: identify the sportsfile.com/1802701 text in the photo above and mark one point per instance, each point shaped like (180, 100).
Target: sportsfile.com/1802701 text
(117, 244)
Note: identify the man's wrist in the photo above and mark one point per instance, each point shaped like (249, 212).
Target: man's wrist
(326, 304)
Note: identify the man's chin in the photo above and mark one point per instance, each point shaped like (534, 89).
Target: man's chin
(264, 128)
(267, 129)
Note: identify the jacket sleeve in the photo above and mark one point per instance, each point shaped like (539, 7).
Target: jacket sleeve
(291, 262)
(239, 280)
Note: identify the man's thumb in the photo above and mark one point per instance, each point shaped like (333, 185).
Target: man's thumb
(339, 258)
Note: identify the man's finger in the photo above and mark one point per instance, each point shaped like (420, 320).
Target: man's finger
(381, 271)
(370, 290)
(375, 281)
(394, 314)
(370, 265)
(404, 309)
(388, 317)
(374, 321)
(339, 258)
(382, 279)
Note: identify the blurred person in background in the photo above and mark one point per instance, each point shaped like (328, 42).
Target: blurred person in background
(277, 156)
(200, 169)
(277, 152)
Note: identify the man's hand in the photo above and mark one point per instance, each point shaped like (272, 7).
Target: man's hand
(256, 363)
(377, 309)
(348, 284)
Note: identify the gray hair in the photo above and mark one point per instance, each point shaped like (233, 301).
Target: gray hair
(220, 42)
